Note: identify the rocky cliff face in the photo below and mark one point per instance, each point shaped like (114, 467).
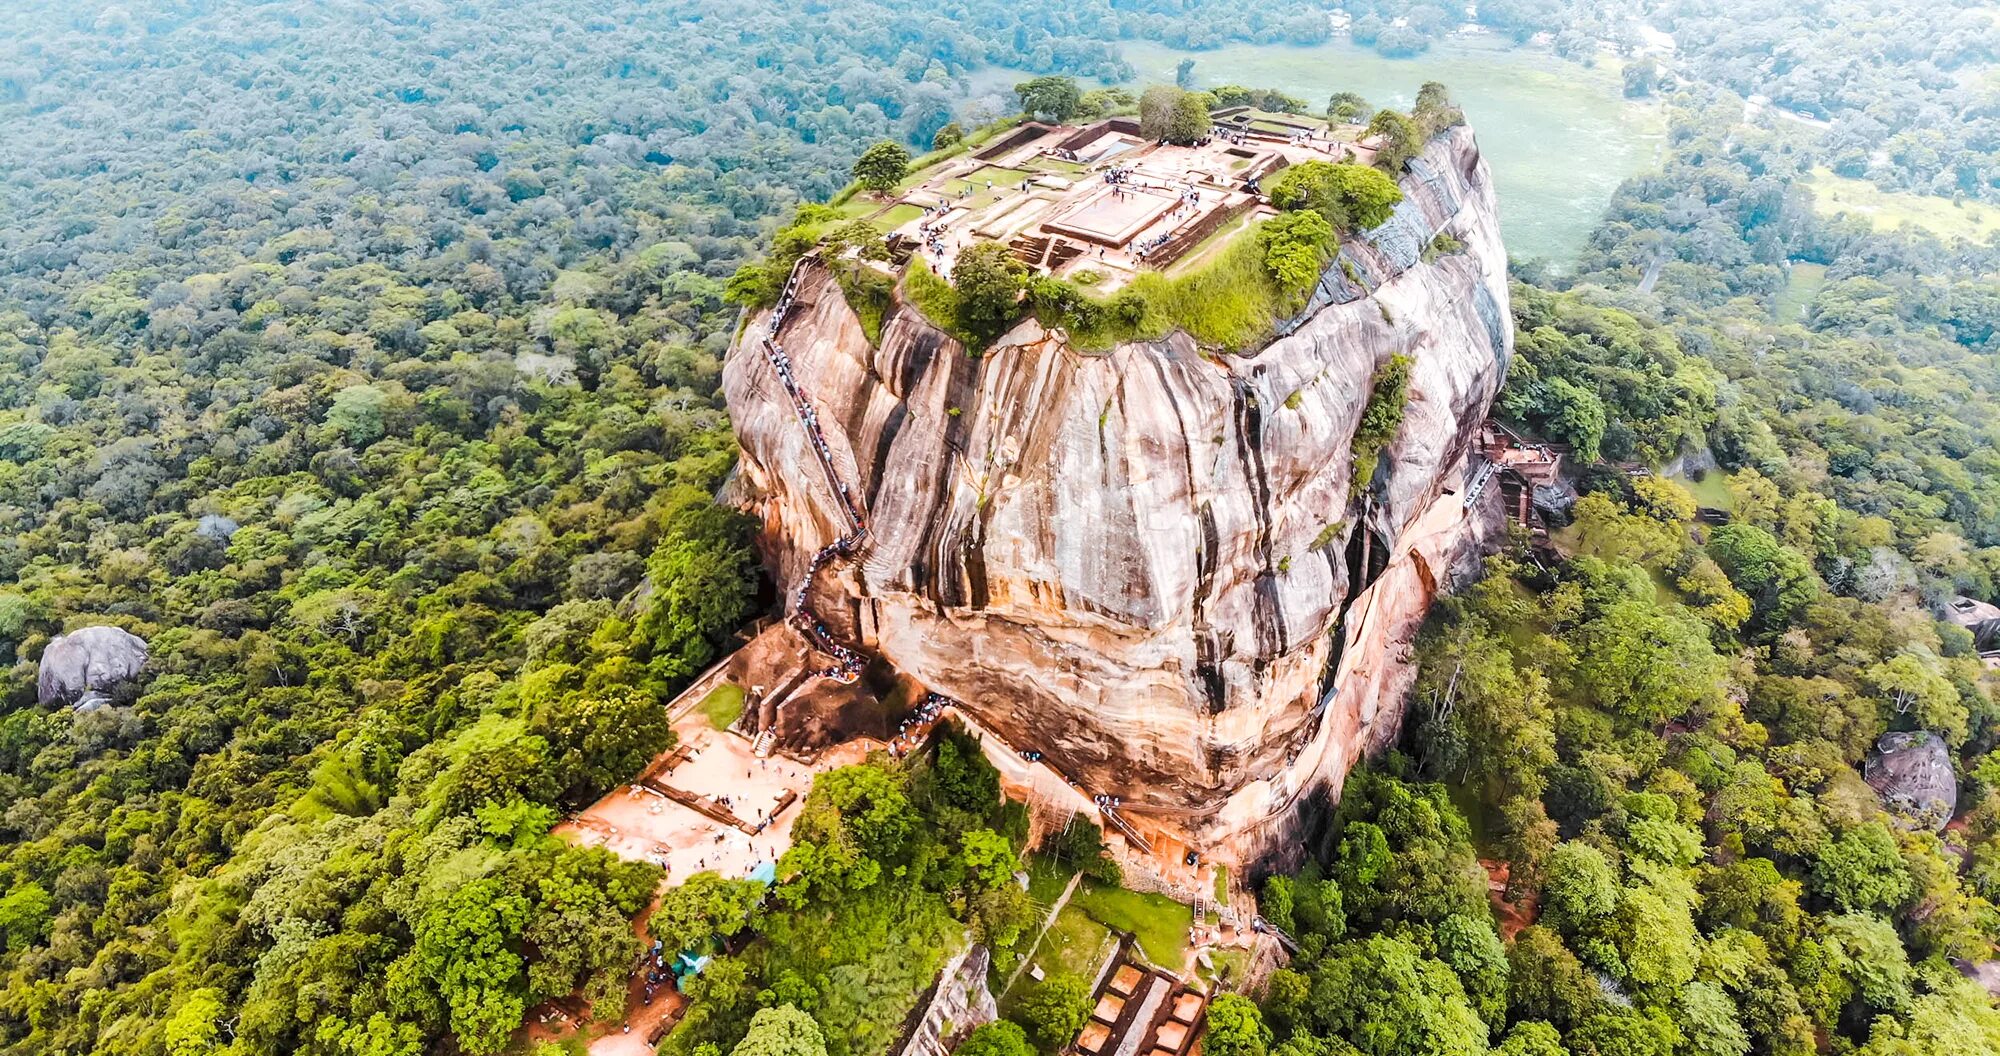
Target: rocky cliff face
(1147, 564)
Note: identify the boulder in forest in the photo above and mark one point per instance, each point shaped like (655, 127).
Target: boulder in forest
(84, 661)
(1912, 773)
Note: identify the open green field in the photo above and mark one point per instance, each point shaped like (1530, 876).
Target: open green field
(722, 705)
(978, 178)
(1801, 286)
(1558, 136)
(1159, 923)
(1710, 490)
(897, 217)
(1046, 163)
(1046, 879)
(1889, 210)
(1074, 943)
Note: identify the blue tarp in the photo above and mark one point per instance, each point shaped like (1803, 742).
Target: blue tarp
(765, 873)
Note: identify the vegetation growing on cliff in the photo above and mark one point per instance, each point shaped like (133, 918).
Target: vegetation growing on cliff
(1381, 416)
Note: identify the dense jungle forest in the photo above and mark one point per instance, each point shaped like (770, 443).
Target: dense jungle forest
(363, 359)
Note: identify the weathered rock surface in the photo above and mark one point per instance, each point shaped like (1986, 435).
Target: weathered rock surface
(1146, 564)
(78, 665)
(1913, 775)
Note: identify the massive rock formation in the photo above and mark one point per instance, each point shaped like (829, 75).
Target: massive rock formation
(76, 667)
(1146, 564)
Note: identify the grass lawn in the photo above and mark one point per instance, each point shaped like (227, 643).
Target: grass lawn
(1801, 286)
(1048, 164)
(1046, 879)
(898, 216)
(1712, 490)
(999, 176)
(1888, 210)
(1159, 923)
(1229, 966)
(1203, 250)
(722, 705)
(1074, 943)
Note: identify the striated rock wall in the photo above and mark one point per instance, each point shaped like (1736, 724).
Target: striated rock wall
(1146, 564)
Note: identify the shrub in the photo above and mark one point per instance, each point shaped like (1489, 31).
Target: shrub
(1295, 249)
(1388, 392)
(1057, 1009)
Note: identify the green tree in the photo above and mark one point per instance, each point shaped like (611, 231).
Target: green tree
(1388, 394)
(25, 914)
(1862, 870)
(1296, 246)
(1546, 981)
(999, 1038)
(703, 907)
(703, 575)
(1647, 662)
(195, 1029)
(1349, 196)
(466, 959)
(781, 1031)
(1531, 1038)
(1056, 1009)
(1397, 140)
(1434, 111)
(1156, 110)
(1189, 121)
(1710, 1023)
(1777, 579)
(989, 282)
(1625, 1033)
(882, 166)
(1388, 999)
(1346, 108)
(599, 740)
(951, 135)
(1236, 1028)
(1049, 98)
(1579, 888)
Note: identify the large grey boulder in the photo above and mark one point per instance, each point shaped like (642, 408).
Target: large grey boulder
(1912, 773)
(77, 664)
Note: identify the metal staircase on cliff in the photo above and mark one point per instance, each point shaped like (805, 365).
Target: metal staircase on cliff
(848, 663)
(1479, 483)
(1118, 820)
(1259, 924)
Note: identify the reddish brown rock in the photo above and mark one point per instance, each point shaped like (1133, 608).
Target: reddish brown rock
(1139, 563)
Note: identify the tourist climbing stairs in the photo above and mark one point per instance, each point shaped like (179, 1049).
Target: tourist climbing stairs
(848, 664)
(761, 747)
